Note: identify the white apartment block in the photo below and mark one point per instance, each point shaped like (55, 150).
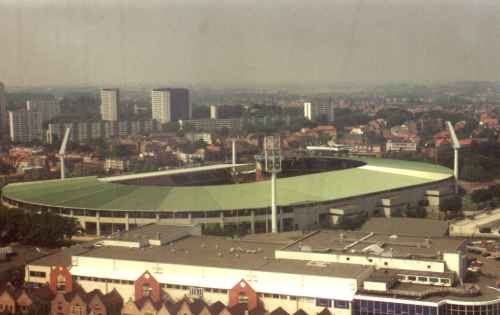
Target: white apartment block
(314, 111)
(110, 102)
(25, 126)
(170, 105)
(4, 118)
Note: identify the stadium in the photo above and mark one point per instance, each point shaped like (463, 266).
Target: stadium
(311, 191)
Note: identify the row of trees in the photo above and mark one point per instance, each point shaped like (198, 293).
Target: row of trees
(37, 229)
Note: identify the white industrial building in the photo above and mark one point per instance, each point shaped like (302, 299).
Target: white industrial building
(344, 272)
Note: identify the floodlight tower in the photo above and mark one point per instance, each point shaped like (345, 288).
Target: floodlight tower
(456, 147)
(272, 155)
(234, 154)
(62, 151)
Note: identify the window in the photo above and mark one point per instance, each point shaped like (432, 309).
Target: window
(61, 283)
(196, 292)
(386, 263)
(348, 258)
(76, 310)
(370, 260)
(446, 281)
(434, 280)
(146, 289)
(412, 278)
(242, 298)
(422, 279)
(38, 274)
(324, 302)
(341, 304)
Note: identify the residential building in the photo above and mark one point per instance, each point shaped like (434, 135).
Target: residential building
(225, 111)
(170, 104)
(4, 118)
(25, 126)
(214, 124)
(48, 107)
(319, 111)
(397, 146)
(197, 136)
(110, 104)
(118, 164)
(83, 132)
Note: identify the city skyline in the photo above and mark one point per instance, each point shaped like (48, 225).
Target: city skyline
(222, 43)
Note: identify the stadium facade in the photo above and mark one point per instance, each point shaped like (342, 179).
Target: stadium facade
(105, 205)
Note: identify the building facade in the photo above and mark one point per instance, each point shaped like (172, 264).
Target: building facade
(170, 104)
(25, 126)
(319, 111)
(48, 107)
(4, 117)
(110, 104)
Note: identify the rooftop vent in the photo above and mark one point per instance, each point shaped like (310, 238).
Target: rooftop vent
(305, 248)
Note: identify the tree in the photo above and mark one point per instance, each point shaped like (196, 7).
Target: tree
(481, 195)
(38, 229)
(394, 116)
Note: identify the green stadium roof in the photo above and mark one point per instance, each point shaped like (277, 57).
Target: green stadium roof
(89, 193)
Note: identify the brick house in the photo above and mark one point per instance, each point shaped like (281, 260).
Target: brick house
(78, 302)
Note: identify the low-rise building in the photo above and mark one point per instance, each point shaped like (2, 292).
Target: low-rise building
(339, 272)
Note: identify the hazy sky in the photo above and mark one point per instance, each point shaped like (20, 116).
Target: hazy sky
(218, 42)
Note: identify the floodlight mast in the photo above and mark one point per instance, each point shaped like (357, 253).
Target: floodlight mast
(456, 147)
(272, 153)
(234, 154)
(62, 151)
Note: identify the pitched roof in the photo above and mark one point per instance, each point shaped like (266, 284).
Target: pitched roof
(216, 307)
(300, 312)
(43, 293)
(325, 311)
(197, 305)
(279, 311)
(112, 298)
(145, 299)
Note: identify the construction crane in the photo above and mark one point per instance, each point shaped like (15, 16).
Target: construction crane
(62, 150)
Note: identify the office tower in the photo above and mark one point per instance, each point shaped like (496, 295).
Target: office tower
(48, 107)
(4, 118)
(25, 126)
(315, 111)
(110, 103)
(170, 104)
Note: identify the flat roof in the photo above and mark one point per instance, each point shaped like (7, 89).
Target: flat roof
(209, 251)
(406, 227)
(256, 253)
(376, 176)
(401, 246)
